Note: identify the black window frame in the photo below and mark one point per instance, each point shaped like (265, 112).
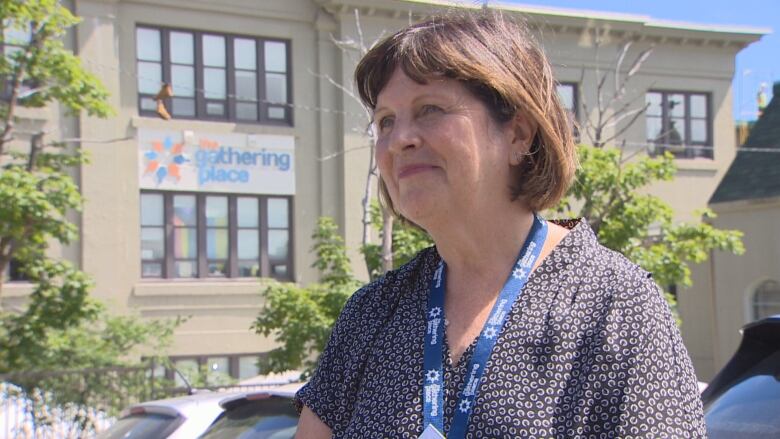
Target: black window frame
(230, 84)
(686, 148)
(266, 264)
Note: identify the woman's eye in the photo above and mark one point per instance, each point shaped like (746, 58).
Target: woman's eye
(385, 122)
(429, 109)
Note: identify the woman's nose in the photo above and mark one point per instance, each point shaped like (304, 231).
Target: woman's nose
(404, 135)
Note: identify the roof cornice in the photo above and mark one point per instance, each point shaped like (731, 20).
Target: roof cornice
(575, 21)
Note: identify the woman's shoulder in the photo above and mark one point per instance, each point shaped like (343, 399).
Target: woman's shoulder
(602, 266)
(381, 294)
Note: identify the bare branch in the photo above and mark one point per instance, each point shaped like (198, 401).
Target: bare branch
(338, 85)
(619, 62)
(361, 40)
(343, 152)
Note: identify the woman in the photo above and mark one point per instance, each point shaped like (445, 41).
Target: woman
(511, 326)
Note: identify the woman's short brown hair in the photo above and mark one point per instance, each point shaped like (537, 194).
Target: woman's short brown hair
(499, 61)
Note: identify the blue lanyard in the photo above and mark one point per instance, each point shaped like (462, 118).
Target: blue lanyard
(433, 380)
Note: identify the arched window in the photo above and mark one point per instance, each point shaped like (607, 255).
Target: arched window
(766, 300)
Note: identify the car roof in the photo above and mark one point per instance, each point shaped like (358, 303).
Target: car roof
(284, 391)
(186, 404)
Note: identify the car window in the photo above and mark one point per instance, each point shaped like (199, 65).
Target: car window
(750, 408)
(272, 418)
(141, 426)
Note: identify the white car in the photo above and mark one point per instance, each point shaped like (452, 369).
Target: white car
(184, 417)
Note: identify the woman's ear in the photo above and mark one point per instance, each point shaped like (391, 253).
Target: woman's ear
(522, 133)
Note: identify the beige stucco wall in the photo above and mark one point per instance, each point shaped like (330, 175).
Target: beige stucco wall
(723, 308)
(331, 149)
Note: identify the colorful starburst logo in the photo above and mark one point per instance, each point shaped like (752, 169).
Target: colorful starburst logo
(164, 160)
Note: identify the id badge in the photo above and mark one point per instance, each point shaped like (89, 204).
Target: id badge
(431, 433)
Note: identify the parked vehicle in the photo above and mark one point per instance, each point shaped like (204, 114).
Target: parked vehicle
(184, 417)
(743, 400)
(266, 414)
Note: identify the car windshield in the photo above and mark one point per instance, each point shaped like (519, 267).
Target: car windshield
(271, 418)
(751, 407)
(140, 426)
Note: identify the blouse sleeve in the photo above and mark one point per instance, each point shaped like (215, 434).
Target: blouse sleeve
(661, 397)
(330, 391)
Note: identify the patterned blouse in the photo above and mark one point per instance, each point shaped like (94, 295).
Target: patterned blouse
(590, 349)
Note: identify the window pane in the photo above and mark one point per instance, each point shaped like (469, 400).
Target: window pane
(655, 104)
(676, 103)
(186, 269)
(184, 106)
(275, 56)
(280, 269)
(188, 368)
(152, 243)
(276, 113)
(151, 269)
(216, 211)
(183, 81)
(185, 243)
(248, 244)
(247, 367)
(654, 127)
(218, 269)
(148, 104)
(215, 109)
(214, 51)
(698, 131)
(277, 212)
(245, 54)
(566, 94)
(218, 365)
(676, 133)
(276, 87)
(698, 106)
(246, 110)
(184, 213)
(277, 244)
(248, 269)
(16, 36)
(246, 85)
(214, 83)
(147, 44)
(247, 212)
(149, 78)
(152, 210)
(182, 48)
(216, 243)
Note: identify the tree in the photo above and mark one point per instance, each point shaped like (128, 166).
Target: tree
(61, 325)
(610, 188)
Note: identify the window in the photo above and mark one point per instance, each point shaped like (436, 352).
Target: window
(218, 369)
(567, 93)
(214, 76)
(679, 122)
(186, 235)
(14, 40)
(766, 300)
(13, 272)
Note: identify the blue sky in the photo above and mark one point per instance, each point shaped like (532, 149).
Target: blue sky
(757, 63)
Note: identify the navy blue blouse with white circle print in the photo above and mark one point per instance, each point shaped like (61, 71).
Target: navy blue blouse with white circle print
(590, 349)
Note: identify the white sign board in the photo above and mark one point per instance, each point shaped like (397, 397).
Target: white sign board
(203, 162)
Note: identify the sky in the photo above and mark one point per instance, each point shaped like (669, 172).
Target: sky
(757, 63)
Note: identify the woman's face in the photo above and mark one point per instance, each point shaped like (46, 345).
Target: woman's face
(439, 151)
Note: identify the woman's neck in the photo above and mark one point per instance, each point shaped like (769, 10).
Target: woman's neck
(481, 249)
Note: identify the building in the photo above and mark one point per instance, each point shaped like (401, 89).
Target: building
(184, 215)
(730, 291)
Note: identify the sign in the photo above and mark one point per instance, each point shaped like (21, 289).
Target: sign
(235, 163)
